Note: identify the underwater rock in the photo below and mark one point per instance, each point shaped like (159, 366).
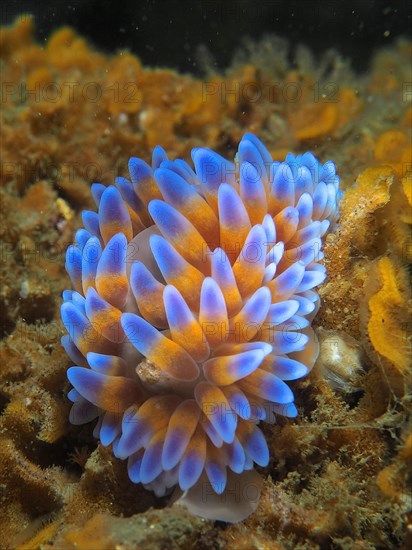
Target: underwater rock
(338, 470)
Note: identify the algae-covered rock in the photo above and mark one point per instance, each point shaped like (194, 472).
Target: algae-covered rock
(338, 476)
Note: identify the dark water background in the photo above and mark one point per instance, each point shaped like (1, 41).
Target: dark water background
(169, 32)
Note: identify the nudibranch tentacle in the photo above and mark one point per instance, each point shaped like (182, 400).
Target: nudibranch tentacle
(191, 310)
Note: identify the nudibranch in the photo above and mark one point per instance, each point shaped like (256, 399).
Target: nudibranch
(191, 310)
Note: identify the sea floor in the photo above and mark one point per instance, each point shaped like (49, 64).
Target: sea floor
(339, 474)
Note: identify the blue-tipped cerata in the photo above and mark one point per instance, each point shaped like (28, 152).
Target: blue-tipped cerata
(191, 311)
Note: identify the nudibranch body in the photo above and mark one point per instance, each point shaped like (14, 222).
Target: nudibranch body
(191, 310)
